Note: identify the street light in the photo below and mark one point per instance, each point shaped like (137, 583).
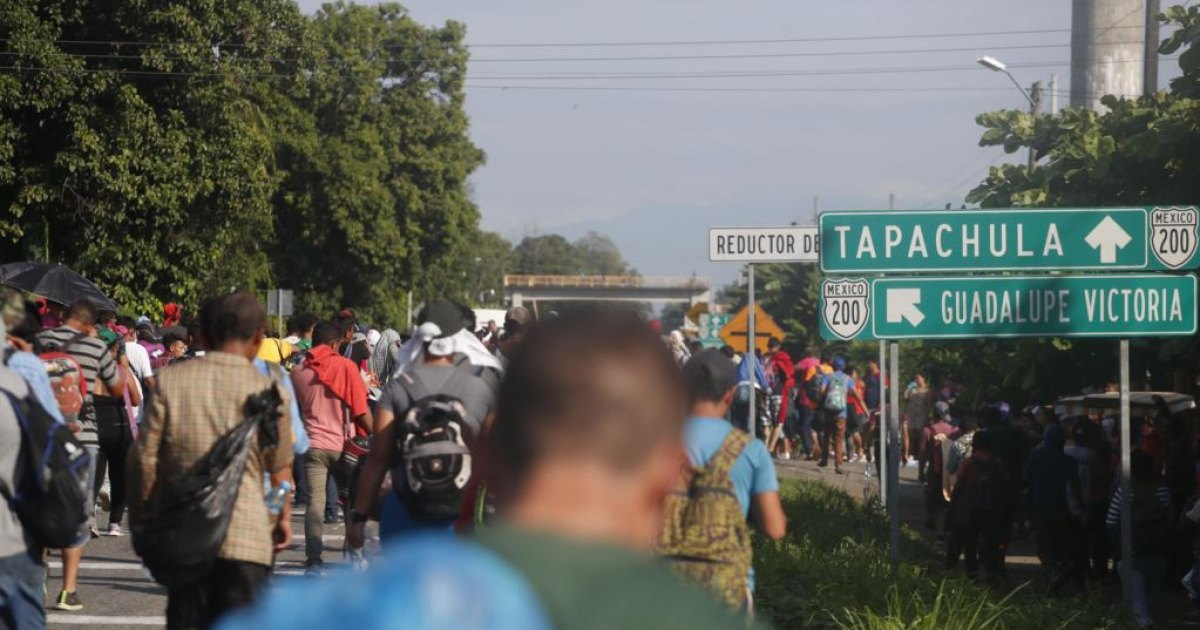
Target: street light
(995, 65)
(1034, 95)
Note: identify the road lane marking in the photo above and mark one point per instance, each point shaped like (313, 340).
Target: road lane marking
(100, 620)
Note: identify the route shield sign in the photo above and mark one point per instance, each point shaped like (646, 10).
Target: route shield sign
(1050, 239)
(1115, 305)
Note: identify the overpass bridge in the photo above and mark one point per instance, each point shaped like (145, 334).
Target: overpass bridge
(520, 289)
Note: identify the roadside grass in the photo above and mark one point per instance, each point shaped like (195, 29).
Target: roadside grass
(833, 572)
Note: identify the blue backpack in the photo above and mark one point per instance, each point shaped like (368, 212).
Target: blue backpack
(56, 480)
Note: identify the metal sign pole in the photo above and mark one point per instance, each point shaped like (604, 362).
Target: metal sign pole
(893, 459)
(1126, 482)
(750, 339)
(884, 471)
(279, 312)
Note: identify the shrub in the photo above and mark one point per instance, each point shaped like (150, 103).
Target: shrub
(833, 571)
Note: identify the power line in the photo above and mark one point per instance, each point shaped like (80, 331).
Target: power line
(615, 88)
(850, 53)
(607, 45)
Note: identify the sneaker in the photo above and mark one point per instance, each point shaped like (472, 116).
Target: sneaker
(114, 529)
(104, 499)
(314, 569)
(95, 532)
(68, 601)
(912, 463)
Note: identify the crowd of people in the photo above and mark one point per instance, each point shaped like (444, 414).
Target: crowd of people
(583, 471)
(990, 475)
(568, 473)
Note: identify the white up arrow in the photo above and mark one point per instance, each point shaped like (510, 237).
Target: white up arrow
(902, 305)
(1108, 236)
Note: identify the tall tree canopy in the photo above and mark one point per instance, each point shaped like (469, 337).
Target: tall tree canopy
(171, 151)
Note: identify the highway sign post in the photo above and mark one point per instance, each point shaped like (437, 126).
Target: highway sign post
(750, 245)
(1110, 239)
(966, 307)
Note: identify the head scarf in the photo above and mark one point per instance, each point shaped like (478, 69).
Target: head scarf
(386, 356)
(463, 342)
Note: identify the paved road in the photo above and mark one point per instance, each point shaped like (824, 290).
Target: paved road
(118, 593)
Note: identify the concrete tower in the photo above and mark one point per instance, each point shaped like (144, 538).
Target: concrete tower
(1108, 46)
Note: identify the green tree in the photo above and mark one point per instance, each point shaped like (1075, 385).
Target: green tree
(374, 202)
(599, 256)
(548, 254)
(146, 166)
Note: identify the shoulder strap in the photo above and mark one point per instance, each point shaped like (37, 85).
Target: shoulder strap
(413, 386)
(13, 402)
(733, 446)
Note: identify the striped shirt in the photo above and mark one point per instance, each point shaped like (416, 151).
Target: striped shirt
(96, 362)
(196, 403)
(1114, 507)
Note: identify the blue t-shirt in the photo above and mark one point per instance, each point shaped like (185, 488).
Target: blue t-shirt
(301, 444)
(33, 370)
(828, 378)
(426, 583)
(753, 473)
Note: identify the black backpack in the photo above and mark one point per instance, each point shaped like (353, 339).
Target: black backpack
(812, 387)
(178, 532)
(987, 490)
(57, 477)
(433, 455)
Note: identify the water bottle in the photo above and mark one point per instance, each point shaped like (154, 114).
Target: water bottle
(277, 496)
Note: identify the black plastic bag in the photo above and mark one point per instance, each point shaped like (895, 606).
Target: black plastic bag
(181, 528)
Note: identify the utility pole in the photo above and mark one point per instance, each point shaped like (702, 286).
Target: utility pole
(1035, 106)
(816, 208)
(1053, 94)
(1150, 54)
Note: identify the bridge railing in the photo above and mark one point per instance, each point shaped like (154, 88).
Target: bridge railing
(606, 282)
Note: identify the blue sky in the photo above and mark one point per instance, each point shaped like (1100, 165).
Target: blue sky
(655, 169)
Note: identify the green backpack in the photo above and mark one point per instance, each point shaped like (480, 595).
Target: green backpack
(705, 536)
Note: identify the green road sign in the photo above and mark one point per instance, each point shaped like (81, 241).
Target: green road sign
(710, 329)
(1114, 305)
(1049, 239)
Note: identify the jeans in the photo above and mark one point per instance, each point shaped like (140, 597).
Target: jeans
(319, 465)
(21, 579)
(806, 425)
(395, 521)
(230, 585)
(93, 451)
(1147, 583)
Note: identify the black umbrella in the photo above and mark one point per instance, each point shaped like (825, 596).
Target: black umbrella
(9, 270)
(58, 284)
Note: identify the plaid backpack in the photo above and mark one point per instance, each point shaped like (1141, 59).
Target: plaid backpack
(705, 536)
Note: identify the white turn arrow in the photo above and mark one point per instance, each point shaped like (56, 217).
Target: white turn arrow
(902, 305)
(1108, 236)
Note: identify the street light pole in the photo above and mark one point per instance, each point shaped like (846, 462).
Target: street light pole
(1034, 95)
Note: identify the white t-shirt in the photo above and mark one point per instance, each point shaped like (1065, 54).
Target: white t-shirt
(139, 364)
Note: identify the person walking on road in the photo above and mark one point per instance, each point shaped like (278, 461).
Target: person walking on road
(1056, 509)
(931, 463)
(722, 459)
(434, 373)
(22, 574)
(332, 397)
(978, 512)
(197, 403)
(838, 389)
(77, 338)
(917, 399)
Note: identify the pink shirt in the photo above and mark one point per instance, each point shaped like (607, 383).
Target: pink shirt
(323, 413)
